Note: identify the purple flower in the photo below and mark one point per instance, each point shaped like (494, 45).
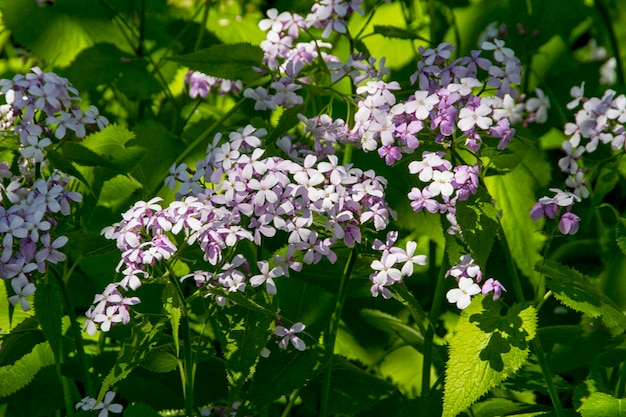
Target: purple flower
(568, 225)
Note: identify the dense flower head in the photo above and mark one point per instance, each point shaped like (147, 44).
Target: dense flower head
(468, 276)
(40, 109)
(238, 193)
(202, 85)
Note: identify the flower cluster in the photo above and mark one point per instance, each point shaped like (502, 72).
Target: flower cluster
(40, 108)
(468, 276)
(201, 85)
(104, 407)
(386, 271)
(599, 121)
(237, 193)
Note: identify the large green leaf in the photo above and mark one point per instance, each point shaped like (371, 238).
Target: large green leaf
(16, 376)
(488, 346)
(112, 145)
(5, 322)
(59, 32)
(514, 194)
(49, 312)
(478, 220)
(229, 61)
(592, 403)
(578, 292)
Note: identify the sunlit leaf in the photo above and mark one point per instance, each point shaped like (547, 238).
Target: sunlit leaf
(578, 292)
(487, 347)
(593, 403)
(16, 376)
(514, 195)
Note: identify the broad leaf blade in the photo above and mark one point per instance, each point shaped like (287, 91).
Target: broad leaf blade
(16, 376)
(578, 292)
(229, 61)
(49, 312)
(486, 347)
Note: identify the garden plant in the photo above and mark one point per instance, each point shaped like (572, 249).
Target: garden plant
(312, 208)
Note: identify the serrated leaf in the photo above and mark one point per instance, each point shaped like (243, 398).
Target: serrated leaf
(159, 361)
(229, 61)
(391, 324)
(578, 292)
(144, 335)
(57, 34)
(49, 312)
(593, 403)
(111, 143)
(16, 376)
(486, 348)
(396, 32)
(514, 194)
(247, 334)
(479, 222)
(171, 305)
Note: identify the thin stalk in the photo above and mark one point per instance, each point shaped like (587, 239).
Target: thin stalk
(189, 366)
(333, 326)
(78, 338)
(430, 332)
(292, 401)
(621, 385)
(205, 18)
(535, 343)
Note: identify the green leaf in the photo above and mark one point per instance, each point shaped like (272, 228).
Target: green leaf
(77, 153)
(144, 336)
(487, 347)
(396, 32)
(16, 376)
(5, 322)
(111, 143)
(171, 304)
(478, 220)
(620, 234)
(606, 181)
(391, 324)
(99, 64)
(159, 360)
(282, 372)
(579, 293)
(514, 194)
(57, 34)
(117, 190)
(248, 331)
(229, 61)
(63, 164)
(593, 403)
(352, 389)
(49, 312)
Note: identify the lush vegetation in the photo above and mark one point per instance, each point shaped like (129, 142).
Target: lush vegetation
(337, 207)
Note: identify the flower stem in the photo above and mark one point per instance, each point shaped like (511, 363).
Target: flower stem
(76, 331)
(331, 335)
(604, 14)
(434, 313)
(188, 366)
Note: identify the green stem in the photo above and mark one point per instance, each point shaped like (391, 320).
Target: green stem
(606, 17)
(333, 326)
(76, 331)
(435, 311)
(621, 385)
(292, 401)
(535, 343)
(205, 18)
(189, 366)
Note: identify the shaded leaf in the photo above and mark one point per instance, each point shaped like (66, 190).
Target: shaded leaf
(140, 410)
(391, 324)
(229, 61)
(486, 348)
(49, 312)
(478, 220)
(396, 32)
(159, 360)
(578, 292)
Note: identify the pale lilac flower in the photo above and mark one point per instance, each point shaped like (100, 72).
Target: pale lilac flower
(289, 335)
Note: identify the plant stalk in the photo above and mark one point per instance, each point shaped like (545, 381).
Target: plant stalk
(333, 326)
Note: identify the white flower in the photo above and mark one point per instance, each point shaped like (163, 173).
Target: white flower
(462, 296)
